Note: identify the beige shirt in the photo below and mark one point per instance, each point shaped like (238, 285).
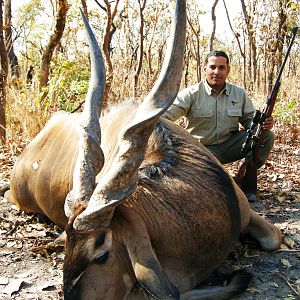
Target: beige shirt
(210, 117)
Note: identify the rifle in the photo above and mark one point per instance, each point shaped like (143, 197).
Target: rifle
(255, 131)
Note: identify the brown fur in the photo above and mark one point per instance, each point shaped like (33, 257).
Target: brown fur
(184, 218)
(42, 175)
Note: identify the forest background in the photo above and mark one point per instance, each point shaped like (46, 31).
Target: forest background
(48, 35)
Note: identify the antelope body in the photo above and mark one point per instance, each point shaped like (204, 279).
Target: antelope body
(151, 213)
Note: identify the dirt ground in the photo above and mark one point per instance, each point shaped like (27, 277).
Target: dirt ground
(32, 269)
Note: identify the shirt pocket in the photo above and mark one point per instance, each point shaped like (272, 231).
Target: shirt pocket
(202, 113)
(234, 112)
(233, 118)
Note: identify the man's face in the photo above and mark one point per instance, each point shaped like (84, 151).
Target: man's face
(216, 72)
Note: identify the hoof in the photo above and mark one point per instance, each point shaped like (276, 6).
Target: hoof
(251, 197)
(273, 242)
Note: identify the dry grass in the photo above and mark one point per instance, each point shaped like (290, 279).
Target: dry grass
(26, 116)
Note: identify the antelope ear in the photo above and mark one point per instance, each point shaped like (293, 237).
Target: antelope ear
(149, 272)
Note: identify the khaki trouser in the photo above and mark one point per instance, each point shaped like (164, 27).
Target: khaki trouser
(230, 150)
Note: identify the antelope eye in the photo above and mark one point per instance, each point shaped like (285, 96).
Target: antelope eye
(101, 258)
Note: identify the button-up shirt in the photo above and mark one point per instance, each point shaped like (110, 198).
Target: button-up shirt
(211, 117)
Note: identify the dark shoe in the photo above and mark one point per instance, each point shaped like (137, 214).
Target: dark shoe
(251, 197)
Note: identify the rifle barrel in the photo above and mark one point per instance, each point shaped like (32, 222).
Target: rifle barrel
(277, 82)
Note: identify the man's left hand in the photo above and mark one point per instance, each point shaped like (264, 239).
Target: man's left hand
(268, 123)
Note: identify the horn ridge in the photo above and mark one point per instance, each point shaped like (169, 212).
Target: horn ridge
(90, 158)
(94, 97)
(122, 178)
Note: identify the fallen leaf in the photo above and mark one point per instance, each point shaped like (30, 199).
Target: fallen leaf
(13, 286)
(289, 242)
(274, 177)
(280, 199)
(296, 152)
(51, 286)
(273, 284)
(286, 262)
(3, 280)
(287, 185)
(31, 296)
(6, 251)
(284, 247)
(297, 197)
(24, 275)
(253, 290)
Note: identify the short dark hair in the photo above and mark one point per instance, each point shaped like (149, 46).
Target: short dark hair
(217, 53)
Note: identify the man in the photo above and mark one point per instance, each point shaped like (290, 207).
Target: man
(214, 109)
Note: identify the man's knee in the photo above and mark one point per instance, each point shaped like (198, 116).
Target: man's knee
(270, 138)
(268, 142)
(213, 149)
(267, 145)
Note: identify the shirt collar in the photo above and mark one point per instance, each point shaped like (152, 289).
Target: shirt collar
(209, 89)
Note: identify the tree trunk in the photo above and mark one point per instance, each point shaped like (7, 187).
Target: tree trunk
(276, 60)
(187, 63)
(52, 44)
(149, 48)
(141, 48)
(13, 60)
(252, 43)
(106, 45)
(236, 35)
(84, 8)
(213, 18)
(196, 33)
(3, 78)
